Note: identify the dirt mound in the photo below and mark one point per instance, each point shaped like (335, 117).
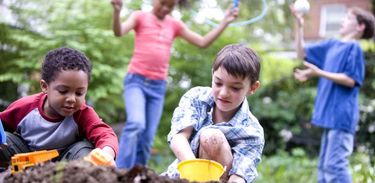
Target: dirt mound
(82, 172)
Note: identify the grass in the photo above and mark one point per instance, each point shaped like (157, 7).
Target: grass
(286, 167)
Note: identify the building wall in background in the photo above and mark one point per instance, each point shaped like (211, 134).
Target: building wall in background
(324, 17)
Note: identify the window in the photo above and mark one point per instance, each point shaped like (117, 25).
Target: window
(331, 18)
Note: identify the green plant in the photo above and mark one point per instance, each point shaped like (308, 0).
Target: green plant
(362, 169)
(285, 167)
(297, 167)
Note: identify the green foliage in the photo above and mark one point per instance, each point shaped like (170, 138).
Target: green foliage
(43, 25)
(365, 132)
(280, 104)
(275, 69)
(362, 169)
(282, 166)
(296, 167)
(83, 25)
(160, 160)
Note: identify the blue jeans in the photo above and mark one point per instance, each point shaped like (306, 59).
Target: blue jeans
(333, 166)
(144, 99)
(2, 134)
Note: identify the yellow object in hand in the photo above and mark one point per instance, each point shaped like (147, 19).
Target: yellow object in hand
(99, 157)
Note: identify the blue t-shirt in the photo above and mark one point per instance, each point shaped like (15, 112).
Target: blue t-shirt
(336, 106)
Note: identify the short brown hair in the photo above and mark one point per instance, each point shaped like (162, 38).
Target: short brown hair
(366, 18)
(239, 61)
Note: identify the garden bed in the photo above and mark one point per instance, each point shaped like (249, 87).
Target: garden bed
(85, 172)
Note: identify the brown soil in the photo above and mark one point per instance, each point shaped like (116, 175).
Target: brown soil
(85, 172)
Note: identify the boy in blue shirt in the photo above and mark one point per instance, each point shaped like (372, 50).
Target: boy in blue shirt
(216, 123)
(340, 66)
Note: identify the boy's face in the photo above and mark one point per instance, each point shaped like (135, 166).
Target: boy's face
(163, 7)
(230, 91)
(65, 94)
(349, 25)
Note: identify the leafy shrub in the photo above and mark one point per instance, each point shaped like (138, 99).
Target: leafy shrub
(293, 166)
(285, 167)
(297, 167)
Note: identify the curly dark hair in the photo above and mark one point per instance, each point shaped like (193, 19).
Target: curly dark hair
(64, 59)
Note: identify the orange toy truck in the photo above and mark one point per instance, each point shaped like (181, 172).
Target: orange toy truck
(24, 160)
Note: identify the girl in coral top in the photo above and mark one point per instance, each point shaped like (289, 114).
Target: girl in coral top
(145, 82)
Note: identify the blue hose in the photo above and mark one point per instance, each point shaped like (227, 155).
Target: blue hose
(247, 22)
(235, 3)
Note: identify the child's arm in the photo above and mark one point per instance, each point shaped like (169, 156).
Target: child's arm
(205, 41)
(299, 22)
(237, 179)
(180, 145)
(314, 71)
(119, 28)
(101, 156)
(96, 131)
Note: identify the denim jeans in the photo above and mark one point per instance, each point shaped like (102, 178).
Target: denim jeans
(2, 134)
(144, 99)
(333, 166)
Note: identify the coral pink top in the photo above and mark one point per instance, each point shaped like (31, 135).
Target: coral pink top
(153, 43)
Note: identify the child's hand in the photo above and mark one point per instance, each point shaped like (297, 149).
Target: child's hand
(110, 152)
(305, 74)
(302, 74)
(113, 163)
(236, 179)
(117, 5)
(230, 15)
(297, 15)
(101, 157)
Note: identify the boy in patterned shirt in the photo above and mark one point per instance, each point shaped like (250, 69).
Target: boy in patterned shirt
(216, 123)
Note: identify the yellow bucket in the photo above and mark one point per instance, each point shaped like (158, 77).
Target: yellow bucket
(200, 170)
